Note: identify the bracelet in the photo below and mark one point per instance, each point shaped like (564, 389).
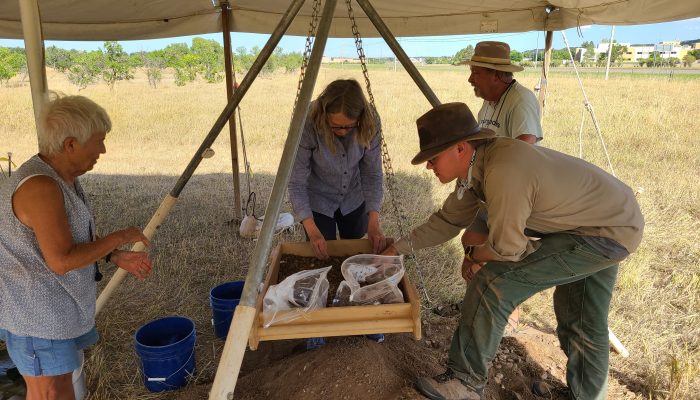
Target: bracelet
(108, 258)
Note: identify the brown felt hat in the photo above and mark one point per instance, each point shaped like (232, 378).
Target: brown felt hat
(493, 55)
(445, 126)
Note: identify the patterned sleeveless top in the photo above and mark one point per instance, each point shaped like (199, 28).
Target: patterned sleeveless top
(34, 300)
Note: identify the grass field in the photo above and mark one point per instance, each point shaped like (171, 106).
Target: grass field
(649, 125)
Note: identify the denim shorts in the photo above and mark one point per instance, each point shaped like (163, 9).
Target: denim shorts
(46, 357)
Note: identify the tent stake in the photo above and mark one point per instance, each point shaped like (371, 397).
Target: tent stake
(244, 317)
(170, 200)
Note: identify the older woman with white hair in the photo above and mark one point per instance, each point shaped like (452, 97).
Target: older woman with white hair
(49, 249)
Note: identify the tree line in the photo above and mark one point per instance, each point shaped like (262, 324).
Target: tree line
(205, 59)
(111, 64)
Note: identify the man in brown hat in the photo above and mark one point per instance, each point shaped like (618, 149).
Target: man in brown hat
(510, 110)
(587, 221)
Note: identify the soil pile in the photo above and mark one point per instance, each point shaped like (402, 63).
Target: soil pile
(358, 368)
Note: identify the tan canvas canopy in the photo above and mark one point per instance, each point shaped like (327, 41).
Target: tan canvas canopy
(128, 20)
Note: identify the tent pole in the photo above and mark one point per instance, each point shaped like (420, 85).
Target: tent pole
(244, 317)
(542, 95)
(226, 28)
(171, 198)
(34, 48)
(610, 47)
(398, 51)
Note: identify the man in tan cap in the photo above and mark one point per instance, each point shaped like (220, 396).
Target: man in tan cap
(509, 108)
(587, 221)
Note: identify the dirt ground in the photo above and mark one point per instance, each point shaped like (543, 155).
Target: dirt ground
(358, 368)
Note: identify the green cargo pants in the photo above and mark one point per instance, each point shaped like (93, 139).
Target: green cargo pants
(584, 279)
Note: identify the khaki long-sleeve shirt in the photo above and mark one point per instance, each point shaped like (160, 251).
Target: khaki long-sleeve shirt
(523, 186)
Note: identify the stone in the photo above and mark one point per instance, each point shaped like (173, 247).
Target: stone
(540, 388)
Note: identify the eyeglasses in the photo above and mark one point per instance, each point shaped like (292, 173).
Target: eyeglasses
(344, 128)
(432, 161)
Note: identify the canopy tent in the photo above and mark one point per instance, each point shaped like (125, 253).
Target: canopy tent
(134, 19)
(115, 20)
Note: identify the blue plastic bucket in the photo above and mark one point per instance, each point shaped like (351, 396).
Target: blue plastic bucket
(166, 349)
(224, 299)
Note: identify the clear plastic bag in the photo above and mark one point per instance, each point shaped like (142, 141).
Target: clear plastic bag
(370, 279)
(297, 294)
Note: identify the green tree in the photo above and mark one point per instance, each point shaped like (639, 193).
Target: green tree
(153, 64)
(615, 55)
(173, 52)
(654, 60)
(292, 62)
(516, 56)
(463, 55)
(688, 60)
(210, 57)
(186, 68)
(59, 59)
(136, 59)
(85, 69)
(272, 63)
(242, 60)
(117, 66)
(561, 54)
(11, 63)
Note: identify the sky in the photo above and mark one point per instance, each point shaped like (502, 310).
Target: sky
(423, 46)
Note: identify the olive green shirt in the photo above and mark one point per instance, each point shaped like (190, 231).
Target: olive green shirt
(523, 186)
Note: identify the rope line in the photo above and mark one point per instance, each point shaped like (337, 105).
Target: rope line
(588, 106)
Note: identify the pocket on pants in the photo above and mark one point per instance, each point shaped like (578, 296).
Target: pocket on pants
(550, 271)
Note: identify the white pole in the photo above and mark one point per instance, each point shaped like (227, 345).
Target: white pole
(34, 48)
(610, 46)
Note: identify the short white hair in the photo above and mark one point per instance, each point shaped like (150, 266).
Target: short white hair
(70, 116)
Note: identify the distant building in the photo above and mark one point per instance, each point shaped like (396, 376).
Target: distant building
(636, 52)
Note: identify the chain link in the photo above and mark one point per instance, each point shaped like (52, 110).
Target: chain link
(390, 176)
(313, 24)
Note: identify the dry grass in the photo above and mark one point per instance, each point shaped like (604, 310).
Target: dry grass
(650, 127)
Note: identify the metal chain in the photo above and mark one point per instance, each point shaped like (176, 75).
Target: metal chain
(390, 176)
(313, 24)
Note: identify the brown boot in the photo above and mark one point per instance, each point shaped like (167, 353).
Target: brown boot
(446, 386)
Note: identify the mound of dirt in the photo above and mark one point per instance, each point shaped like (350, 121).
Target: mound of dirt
(358, 368)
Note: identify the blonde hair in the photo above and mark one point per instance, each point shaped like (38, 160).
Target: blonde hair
(70, 116)
(344, 96)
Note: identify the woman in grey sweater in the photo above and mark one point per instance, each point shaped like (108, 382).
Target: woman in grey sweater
(337, 176)
(49, 249)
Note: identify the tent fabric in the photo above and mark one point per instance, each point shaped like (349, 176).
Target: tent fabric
(150, 19)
